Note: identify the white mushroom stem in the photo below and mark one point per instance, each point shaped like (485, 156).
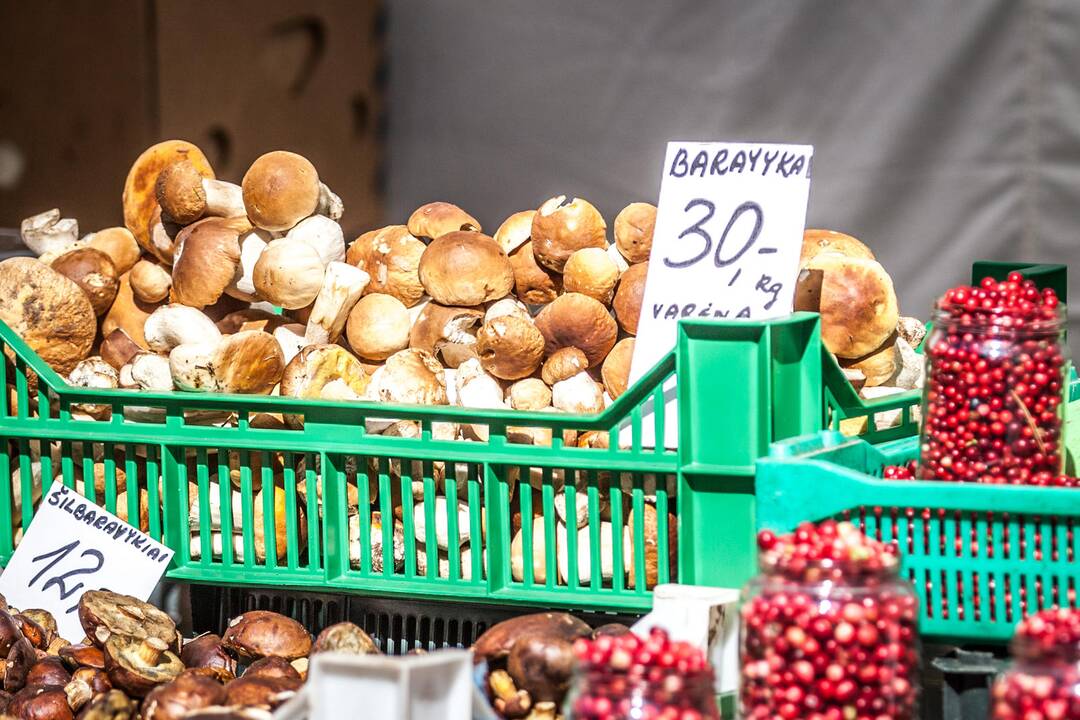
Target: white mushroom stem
(579, 394)
(291, 339)
(476, 389)
(162, 244)
(442, 531)
(342, 286)
(127, 381)
(172, 325)
(48, 233)
(191, 366)
(620, 261)
(415, 310)
(223, 199)
(330, 204)
(252, 245)
(94, 372)
(323, 234)
(151, 372)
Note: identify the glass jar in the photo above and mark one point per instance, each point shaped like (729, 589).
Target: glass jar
(1043, 682)
(995, 382)
(819, 640)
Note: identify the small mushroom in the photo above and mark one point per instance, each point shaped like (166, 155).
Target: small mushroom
(186, 195)
(634, 227)
(140, 187)
(591, 272)
(475, 388)
(879, 366)
(510, 347)
(189, 691)
(580, 395)
(95, 678)
(391, 256)
(280, 189)
(78, 694)
(173, 325)
(103, 613)
(345, 637)
(323, 372)
(448, 333)
(533, 283)
(495, 644)
(342, 287)
(137, 665)
(80, 655)
(410, 377)
(508, 701)
(119, 244)
(616, 368)
(323, 234)
(651, 546)
(436, 219)
(191, 366)
(94, 272)
(275, 668)
(259, 692)
(94, 372)
(529, 394)
(151, 372)
(48, 671)
(10, 632)
(111, 705)
(20, 659)
(289, 273)
(627, 302)
(208, 261)
(465, 268)
(515, 231)
(47, 234)
(558, 230)
(261, 633)
(563, 364)
(117, 348)
(249, 362)
(542, 666)
(579, 321)
(378, 326)
(40, 702)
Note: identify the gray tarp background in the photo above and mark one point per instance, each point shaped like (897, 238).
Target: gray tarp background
(945, 131)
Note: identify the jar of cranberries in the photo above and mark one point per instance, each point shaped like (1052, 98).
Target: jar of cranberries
(995, 383)
(644, 678)
(1044, 681)
(828, 630)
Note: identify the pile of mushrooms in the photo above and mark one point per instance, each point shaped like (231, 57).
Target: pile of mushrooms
(133, 663)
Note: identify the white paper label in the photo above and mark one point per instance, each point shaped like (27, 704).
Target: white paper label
(729, 227)
(73, 545)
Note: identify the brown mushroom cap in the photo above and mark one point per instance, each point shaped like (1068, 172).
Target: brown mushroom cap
(249, 319)
(510, 347)
(20, 659)
(128, 313)
(48, 311)
(448, 333)
(209, 261)
(179, 192)
(391, 256)
(10, 632)
(261, 633)
(410, 376)
(280, 189)
(94, 272)
(206, 651)
(150, 281)
(140, 199)
(33, 632)
(531, 393)
(634, 227)
(103, 613)
(631, 290)
(249, 362)
(289, 273)
(879, 365)
(542, 666)
(112, 705)
(324, 372)
(48, 671)
(559, 230)
(515, 231)
(77, 656)
(857, 303)
(45, 620)
(345, 637)
(118, 348)
(137, 665)
(438, 218)
(275, 668)
(611, 630)
(189, 691)
(576, 320)
(563, 364)
(816, 242)
(378, 326)
(533, 284)
(497, 642)
(591, 272)
(616, 368)
(256, 692)
(40, 702)
(465, 268)
(120, 245)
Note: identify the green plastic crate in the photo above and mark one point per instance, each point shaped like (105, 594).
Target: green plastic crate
(743, 385)
(981, 557)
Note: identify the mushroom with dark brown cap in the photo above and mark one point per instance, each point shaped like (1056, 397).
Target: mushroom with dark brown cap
(448, 333)
(542, 666)
(378, 326)
(10, 632)
(103, 613)
(592, 272)
(465, 268)
(578, 321)
(48, 671)
(260, 692)
(289, 273)
(616, 368)
(261, 633)
(275, 668)
(345, 637)
(186, 195)
(206, 651)
(634, 227)
(80, 655)
(249, 319)
(112, 705)
(497, 642)
(435, 219)
(510, 347)
(48, 311)
(627, 302)
(611, 630)
(140, 187)
(94, 272)
(533, 283)
(391, 256)
(20, 659)
(96, 679)
(559, 230)
(208, 262)
(189, 691)
(138, 665)
(117, 348)
(40, 702)
(280, 189)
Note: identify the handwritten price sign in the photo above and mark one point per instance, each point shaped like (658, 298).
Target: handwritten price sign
(73, 546)
(729, 227)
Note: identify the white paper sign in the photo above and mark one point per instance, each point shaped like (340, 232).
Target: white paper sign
(73, 546)
(729, 227)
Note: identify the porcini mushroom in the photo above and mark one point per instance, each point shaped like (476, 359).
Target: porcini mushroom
(127, 313)
(324, 372)
(119, 244)
(252, 244)
(496, 643)
(345, 637)
(529, 394)
(103, 613)
(151, 372)
(616, 368)
(291, 338)
(510, 347)
(40, 702)
(94, 272)
(261, 633)
(533, 284)
(93, 372)
(816, 241)
(150, 282)
(47, 234)
(578, 321)
(579, 394)
(539, 554)
(342, 286)
(140, 187)
(448, 333)
(323, 234)
(650, 546)
(391, 256)
(627, 302)
(137, 665)
(206, 651)
(591, 272)
(378, 326)
(288, 273)
(435, 219)
(48, 671)
(187, 692)
(192, 366)
(563, 364)
(634, 227)
(515, 231)
(249, 362)
(185, 195)
(173, 325)
(280, 189)
(542, 666)
(410, 376)
(558, 230)
(879, 366)
(465, 268)
(209, 261)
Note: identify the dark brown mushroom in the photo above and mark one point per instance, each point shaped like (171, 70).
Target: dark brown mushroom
(20, 659)
(40, 702)
(277, 669)
(206, 652)
(189, 691)
(496, 643)
(5, 700)
(113, 705)
(33, 632)
(345, 637)
(9, 632)
(611, 630)
(229, 713)
(257, 692)
(96, 678)
(137, 665)
(261, 633)
(79, 656)
(45, 620)
(104, 613)
(49, 671)
(542, 666)
(78, 694)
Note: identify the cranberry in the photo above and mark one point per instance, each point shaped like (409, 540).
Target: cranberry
(1044, 682)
